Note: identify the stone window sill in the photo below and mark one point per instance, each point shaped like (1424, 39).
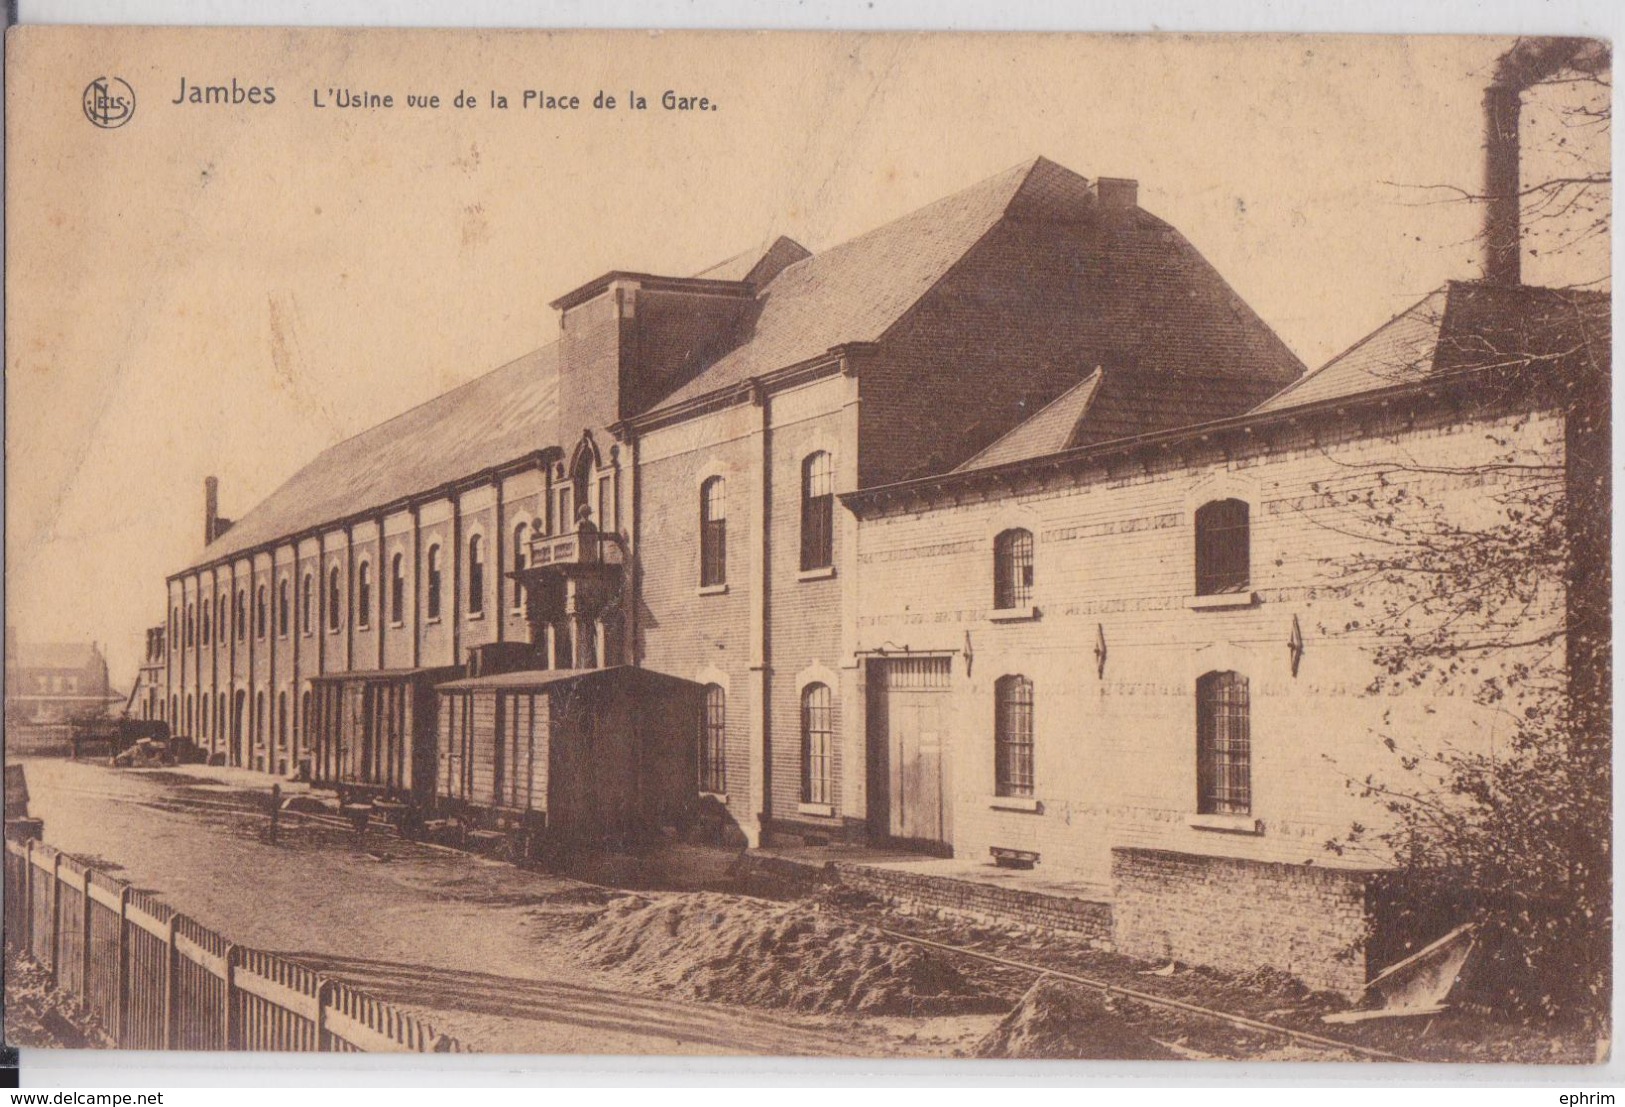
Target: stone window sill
(827, 810)
(1222, 600)
(396, 624)
(824, 572)
(432, 620)
(713, 590)
(1226, 824)
(476, 616)
(1012, 614)
(1016, 803)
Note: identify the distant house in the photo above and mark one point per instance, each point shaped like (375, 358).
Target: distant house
(52, 682)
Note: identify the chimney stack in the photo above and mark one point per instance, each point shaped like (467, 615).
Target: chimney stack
(211, 509)
(1502, 232)
(1117, 193)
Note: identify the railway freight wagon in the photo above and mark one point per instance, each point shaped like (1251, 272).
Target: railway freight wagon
(373, 735)
(551, 759)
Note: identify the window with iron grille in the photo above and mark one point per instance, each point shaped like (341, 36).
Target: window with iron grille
(1223, 745)
(1223, 554)
(817, 511)
(817, 745)
(713, 532)
(713, 745)
(434, 583)
(1013, 569)
(397, 590)
(363, 600)
(476, 575)
(1013, 736)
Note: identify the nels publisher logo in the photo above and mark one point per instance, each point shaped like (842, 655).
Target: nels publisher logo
(109, 102)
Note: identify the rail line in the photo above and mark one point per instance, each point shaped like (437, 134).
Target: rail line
(1239, 1021)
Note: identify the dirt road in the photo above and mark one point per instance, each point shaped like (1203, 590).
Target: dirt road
(454, 938)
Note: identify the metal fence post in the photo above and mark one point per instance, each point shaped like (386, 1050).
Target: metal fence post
(324, 993)
(123, 1000)
(171, 985)
(228, 1014)
(56, 918)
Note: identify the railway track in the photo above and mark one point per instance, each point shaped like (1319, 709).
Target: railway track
(1243, 1022)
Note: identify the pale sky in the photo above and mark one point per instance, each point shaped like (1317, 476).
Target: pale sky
(229, 290)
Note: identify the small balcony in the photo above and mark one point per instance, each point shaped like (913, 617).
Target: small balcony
(582, 547)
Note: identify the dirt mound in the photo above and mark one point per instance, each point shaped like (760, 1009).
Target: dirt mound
(721, 948)
(1058, 1020)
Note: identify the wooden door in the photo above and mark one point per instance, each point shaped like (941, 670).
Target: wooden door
(914, 716)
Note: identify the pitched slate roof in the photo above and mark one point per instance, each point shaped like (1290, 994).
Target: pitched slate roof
(493, 419)
(855, 291)
(1464, 325)
(1112, 404)
(56, 655)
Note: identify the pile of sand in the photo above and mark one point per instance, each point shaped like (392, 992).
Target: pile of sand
(720, 948)
(1058, 1020)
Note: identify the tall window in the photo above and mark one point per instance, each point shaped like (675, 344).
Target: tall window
(1013, 569)
(191, 620)
(282, 606)
(259, 612)
(206, 619)
(1223, 556)
(817, 745)
(397, 590)
(174, 628)
(713, 532)
(520, 545)
(282, 720)
(713, 744)
(476, 575)
(259, 718)
(363, 596)
(434, 582)
(220, 615)
(304, 719)
(817, 512)
(308, 601)
(1223, 746)
(239, 613)
(334, 600)
(1013, 736)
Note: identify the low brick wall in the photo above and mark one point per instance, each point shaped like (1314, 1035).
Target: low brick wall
(982, 902)
(1239, 915)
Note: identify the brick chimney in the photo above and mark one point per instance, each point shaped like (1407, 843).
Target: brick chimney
(1117, 193)
(214, 524)
(1502, 231)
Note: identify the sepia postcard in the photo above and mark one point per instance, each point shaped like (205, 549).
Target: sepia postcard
(851, 545)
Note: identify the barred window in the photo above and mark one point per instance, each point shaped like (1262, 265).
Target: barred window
(282, 606)
(713, 532)
(713, 744)
(363, 596)
(817, 745)
(1223, 556)
(476, 575)
(1223, 745)
(434, 582)
(817, 511)
(1013, 569)
(397, 590)
(1013, 736)
(335, 600)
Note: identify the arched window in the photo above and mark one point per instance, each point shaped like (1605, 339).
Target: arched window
(259, 717)
(259, 612)
(1223, 548)
(1013, 569)
(282, 720)
(363, 596)
(434, 582)
(713, 532)
(307, 601)
(520, 545)
(283, 603)
(817, 745)
(1013, 736)
(335, 602)
(1223, 745)
(397, 590)
(239, 613)
(206, 619)
(817, 512)
(191, 713)
(304, 719)
(713, 744)
(220, 616)
(476, 575)
(191, 621)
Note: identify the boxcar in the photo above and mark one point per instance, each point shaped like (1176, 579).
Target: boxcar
(373, 734)
(569, 758)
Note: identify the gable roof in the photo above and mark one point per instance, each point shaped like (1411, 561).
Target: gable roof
(854, 292)
(493, 419)
(55, 655)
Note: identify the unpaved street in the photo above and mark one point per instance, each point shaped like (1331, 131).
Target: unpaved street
(460, 940)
